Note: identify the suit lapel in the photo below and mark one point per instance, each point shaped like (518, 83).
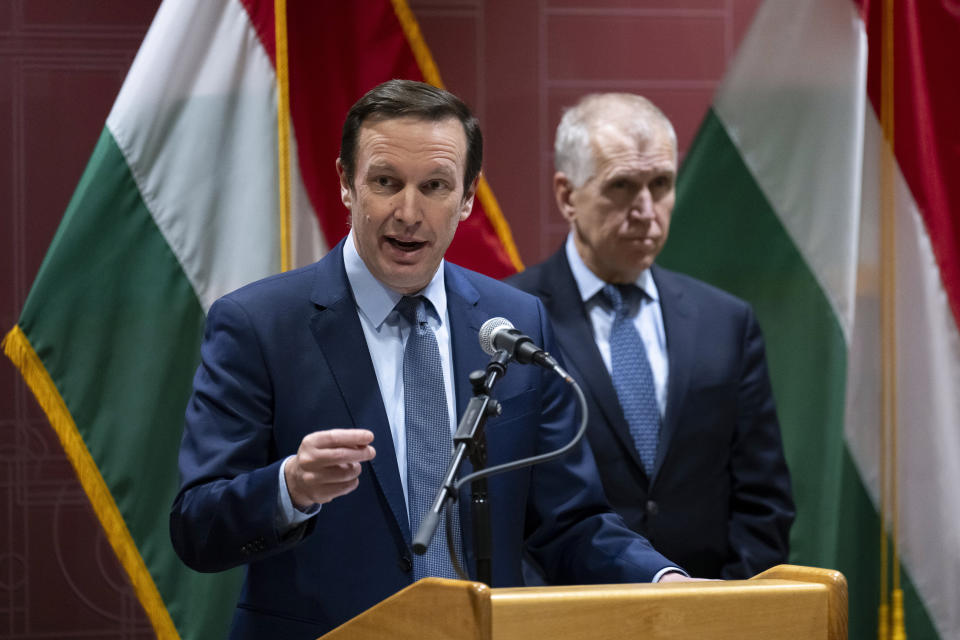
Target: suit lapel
(465, 318)
(561, 296)
(680, 328)
(336, 328)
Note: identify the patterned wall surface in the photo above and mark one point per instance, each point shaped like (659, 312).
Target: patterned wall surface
(61, 64)
(519, 63)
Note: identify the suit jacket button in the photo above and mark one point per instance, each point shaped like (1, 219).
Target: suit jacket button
(406, 564)
(652, 507)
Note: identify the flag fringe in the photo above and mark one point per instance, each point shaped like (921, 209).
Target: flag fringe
(18, 349)
(421, 53)
(428, 68)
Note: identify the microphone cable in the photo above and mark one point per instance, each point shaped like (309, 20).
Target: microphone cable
(516, 464)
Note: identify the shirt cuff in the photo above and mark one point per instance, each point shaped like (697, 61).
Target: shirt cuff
(288, 516)
(667, 570)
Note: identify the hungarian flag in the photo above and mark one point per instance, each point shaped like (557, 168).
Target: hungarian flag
(854, 270)
(179, 205)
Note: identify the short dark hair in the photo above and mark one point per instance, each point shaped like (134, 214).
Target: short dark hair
(407, 98)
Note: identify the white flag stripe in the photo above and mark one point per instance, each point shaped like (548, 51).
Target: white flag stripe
(307, 242)
(795, 103)
(801, 72)
(928, 368)
(196, 121)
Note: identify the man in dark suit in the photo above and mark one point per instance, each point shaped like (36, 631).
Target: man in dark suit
(683, 424)
(302, 374)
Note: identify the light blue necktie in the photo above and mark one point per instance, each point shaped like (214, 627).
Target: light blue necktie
(429, 443)
(632, 376)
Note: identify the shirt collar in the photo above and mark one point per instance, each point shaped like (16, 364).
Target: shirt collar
(590, 285)
(375, 299)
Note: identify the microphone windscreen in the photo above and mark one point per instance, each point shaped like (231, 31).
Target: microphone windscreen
(488, 329)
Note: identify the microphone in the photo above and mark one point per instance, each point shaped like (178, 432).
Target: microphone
(498, 334)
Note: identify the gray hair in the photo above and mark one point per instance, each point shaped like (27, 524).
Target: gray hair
(573, 145)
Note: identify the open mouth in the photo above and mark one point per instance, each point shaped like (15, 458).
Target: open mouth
(409, 246)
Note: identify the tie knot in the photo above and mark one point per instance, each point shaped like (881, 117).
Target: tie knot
(412, 309)
(621, 297)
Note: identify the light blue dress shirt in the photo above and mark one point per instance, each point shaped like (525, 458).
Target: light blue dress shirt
(386, 335)
(648, 320)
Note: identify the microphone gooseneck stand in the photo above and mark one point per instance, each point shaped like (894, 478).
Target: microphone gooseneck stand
(470, 439)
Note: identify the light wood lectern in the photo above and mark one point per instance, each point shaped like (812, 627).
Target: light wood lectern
(787, 602)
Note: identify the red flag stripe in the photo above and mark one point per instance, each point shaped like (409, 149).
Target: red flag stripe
(926, 108)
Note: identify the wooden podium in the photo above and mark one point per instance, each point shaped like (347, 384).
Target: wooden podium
(785, 602)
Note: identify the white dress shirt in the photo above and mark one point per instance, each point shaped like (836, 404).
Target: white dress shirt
(648, 319)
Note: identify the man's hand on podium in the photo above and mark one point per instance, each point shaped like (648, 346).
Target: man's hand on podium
(676, 576)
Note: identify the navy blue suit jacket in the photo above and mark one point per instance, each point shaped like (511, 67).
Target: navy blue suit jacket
(287, 356)
(719, 499)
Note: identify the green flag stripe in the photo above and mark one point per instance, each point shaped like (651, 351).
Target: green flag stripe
(117, 326)
(725, 232)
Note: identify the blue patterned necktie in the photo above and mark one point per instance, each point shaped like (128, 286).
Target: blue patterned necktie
(632, 376)
(429, 443)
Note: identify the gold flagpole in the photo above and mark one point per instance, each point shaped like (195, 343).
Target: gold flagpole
(891, 619)
(283, 130)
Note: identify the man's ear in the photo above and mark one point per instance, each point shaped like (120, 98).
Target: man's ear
(563, 192)
(346, 191)
(467, 205)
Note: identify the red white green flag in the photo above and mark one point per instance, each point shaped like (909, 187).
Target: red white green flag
(177, 206)
(781, 200)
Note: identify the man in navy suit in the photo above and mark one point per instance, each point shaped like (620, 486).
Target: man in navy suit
(302, 375)
(702, 473)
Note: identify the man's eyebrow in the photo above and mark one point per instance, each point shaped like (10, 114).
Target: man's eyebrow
(639, 174)
(381, 165)
(384, 165)
(444, 171)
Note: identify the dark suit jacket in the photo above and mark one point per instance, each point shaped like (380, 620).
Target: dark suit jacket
(719, 500)
(286, 356)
